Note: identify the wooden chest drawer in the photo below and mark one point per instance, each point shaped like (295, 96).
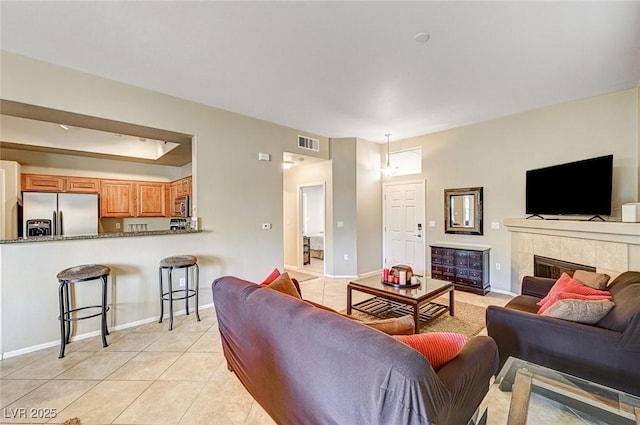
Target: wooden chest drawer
(449, 261)
(475, 264)
(475, 274)
(462, 273)
(475, 256)
(446, 259)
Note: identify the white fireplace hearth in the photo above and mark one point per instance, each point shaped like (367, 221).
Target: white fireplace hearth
(611, 247)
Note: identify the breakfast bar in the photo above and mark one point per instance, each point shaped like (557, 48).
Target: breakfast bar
(29, 287)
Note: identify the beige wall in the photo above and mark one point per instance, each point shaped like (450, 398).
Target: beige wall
(369, 207)
(343, 158)
(294, 178)
(496, 154)
(235, 194)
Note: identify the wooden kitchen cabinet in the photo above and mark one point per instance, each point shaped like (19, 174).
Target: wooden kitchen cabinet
(118, 198)
(50, 183)
(152, 199)
(181, 187)
(82, 185)
(173, 194)
(184, 186)
(42, 183)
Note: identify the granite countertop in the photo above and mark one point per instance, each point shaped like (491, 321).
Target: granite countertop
(100, 236)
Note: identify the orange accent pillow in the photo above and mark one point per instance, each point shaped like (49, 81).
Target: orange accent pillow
(284, 284)
(566, 287)
(438, 347)
(273, 276)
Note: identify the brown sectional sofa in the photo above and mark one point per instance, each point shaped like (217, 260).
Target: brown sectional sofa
(307, 365)
(607, 353)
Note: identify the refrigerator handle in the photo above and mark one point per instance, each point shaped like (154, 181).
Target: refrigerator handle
(61, 228)
(54, 224)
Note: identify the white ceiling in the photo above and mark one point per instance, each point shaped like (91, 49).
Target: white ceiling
(343, 69)
(22, 131)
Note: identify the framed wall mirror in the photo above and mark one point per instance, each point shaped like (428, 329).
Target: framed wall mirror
(463, 211)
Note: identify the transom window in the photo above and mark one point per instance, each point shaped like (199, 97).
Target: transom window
(408, 162)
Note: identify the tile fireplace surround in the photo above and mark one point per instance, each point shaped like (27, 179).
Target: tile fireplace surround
(610, 247)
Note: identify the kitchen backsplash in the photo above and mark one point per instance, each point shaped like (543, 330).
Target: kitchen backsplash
(119, 225)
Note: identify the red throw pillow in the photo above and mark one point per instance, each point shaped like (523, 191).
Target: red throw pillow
(438, 347)
(566, 287)
(273, 276)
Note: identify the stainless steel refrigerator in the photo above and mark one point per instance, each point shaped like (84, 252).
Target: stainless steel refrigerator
(71, 214)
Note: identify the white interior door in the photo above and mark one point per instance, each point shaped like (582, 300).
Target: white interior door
(404, 219)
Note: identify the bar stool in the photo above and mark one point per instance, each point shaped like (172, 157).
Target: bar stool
(178, 262)
(75, 275)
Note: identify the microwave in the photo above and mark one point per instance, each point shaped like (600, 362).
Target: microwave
(181, 207)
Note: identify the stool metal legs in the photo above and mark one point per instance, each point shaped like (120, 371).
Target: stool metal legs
(64, 316)
(105, 330)
(197, 285)
(186, 293)
(66, 310)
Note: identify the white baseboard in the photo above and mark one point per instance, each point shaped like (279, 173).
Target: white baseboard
(502, 291)
(340, 276)
(373, 273)
(91, 334)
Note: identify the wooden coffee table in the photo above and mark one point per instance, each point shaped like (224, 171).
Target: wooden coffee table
(389, 301)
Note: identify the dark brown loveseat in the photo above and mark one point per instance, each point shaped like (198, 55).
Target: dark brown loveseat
(306, 365)
(607, 352)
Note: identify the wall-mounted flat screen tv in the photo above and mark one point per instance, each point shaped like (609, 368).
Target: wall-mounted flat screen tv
(575, 188)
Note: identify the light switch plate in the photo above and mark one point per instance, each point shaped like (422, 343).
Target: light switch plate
(495, 225)
(340, 224)
(432, 223)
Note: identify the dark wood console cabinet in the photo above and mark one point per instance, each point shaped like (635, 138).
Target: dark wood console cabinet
(306, 252)
(466, 266)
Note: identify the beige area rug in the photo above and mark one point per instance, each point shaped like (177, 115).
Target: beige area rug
(299, 276)
(469, 319)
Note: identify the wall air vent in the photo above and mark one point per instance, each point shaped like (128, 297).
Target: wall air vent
(309, 143)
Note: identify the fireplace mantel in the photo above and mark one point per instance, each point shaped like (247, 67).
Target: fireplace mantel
(609, 231)
(611, 247)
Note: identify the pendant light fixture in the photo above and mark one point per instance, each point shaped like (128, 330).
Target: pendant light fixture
(388, 170)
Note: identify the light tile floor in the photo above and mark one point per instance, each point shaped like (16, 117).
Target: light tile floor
(315, 266)
(148, 375)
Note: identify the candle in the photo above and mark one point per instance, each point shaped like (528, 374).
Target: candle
(403, 277)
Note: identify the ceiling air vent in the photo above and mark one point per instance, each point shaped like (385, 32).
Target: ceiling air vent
(309, 143)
